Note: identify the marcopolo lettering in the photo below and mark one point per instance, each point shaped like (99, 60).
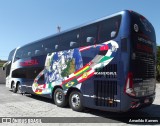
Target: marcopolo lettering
(105, 73)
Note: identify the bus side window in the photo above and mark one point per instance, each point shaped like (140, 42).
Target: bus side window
(73, 44)
(124, 44)
(108, 29)
(37, 52)
(29, 54)
(87, 33)
(49, 45)
(66, 38)
(105, 31)
(56, 47)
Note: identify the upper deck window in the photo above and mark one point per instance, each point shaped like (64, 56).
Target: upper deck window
(109, 28)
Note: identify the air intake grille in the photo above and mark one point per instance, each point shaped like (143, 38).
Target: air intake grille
(105, 93)
(144, 66)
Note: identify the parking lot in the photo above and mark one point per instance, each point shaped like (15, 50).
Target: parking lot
(17, 105)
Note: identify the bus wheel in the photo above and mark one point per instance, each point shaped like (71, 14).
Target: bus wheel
(75, 101)
(59, 98)
(18, 87)
(14, 89)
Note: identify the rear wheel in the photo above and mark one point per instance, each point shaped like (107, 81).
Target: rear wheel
(59, 98)
(75, 101)
(18, 86)
(14, 89)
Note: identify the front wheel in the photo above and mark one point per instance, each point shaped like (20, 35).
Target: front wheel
(75, 101)
(59, 98)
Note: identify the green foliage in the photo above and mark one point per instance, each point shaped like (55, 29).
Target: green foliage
(70, 68)
(2, 62)
(158, 55)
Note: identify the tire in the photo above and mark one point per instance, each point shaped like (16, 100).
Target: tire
(75, 101)
(18, 86)
(14, 89)
(59, 98)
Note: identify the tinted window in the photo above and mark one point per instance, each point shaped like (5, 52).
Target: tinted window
(109, 29)
(11, 55)
(49, 44)
(88, 31)
(67, 38)
(28, 73)
(42, 47)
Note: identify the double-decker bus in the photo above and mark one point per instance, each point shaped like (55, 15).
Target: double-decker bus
(107, 64)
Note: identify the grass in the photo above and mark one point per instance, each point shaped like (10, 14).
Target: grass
(1, 63)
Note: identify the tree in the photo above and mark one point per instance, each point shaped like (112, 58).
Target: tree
(158, 63)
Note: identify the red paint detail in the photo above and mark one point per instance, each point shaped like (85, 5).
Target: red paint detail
(84, 48)
(66, 81)
(144, 36)
(44, 86)
(38, 90)
(29, 63)
(129, 85)
(144, 48)
(105, 47)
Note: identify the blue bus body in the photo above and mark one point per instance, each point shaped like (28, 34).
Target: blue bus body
(109, 86)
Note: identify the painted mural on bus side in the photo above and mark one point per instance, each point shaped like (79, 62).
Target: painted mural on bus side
(67, 69)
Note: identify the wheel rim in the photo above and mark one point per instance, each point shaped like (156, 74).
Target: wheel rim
(18, 88)
(75, 100)
(59, 97)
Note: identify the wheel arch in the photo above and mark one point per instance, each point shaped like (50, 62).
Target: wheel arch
(70, 90)
(12, 82)
(58, 86)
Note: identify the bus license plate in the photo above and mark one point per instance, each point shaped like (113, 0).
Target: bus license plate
(146, 100)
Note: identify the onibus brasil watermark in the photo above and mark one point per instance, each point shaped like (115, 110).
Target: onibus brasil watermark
(21, 120)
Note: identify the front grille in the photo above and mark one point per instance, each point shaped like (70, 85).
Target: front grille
(105, 93)
(144, 66)
(109, 71)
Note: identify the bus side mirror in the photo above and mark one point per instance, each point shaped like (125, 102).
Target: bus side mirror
(113, 34)
(3, 68)
(73, 44)
(90, 40)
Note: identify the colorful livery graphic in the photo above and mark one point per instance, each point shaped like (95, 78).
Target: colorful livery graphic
(108, 64)
(65, 68)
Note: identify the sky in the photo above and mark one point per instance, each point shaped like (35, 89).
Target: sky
(24, 21)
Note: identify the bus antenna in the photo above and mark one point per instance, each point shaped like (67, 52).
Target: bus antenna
(58, 29)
